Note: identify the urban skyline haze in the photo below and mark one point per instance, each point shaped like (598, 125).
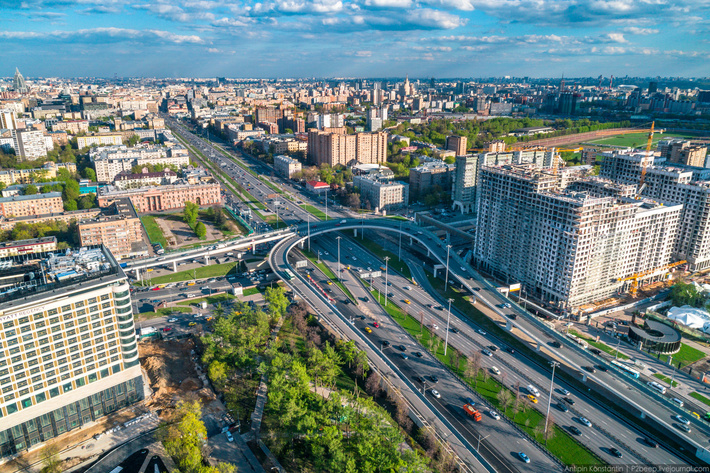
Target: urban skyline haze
(306, 38)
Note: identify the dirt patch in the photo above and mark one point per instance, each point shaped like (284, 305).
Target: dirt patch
(178, 233)
(170, 369)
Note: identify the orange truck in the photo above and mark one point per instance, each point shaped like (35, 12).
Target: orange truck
(470, 410)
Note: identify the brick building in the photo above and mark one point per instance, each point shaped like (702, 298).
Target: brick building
(30, 205)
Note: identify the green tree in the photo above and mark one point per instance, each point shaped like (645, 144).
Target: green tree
(70, 205)
(50, 460)
(217, 371)
(87, 201)
(686, 294)
(201, 230)
(31, 189)
(71, 190)
(185, 435)
(133, 140)
(190, 214)
(89, 174)
(277, 302)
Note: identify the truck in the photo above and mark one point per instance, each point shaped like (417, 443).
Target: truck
(473, 412)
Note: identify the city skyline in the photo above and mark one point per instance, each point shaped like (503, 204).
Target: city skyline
(289, 38)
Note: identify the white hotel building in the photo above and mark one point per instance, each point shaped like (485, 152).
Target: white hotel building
(68, 353)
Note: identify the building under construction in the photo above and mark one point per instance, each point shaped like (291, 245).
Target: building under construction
(569, 240)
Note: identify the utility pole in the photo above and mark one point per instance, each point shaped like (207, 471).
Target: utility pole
(387, 260)
(326, 205)
(446, 343)
(399, 255)
(339, 268)
(554, 365)
(446, 281)
(309, 231)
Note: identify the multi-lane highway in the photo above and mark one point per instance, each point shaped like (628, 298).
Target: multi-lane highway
(607, 432)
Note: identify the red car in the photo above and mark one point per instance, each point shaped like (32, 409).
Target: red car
(156, 288)
(376, 324)
(167, 329)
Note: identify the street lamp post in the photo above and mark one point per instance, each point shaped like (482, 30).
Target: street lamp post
(446, 280)
(319, 256)
(479, 441)
(554, 365)
(387, 259)
(399, 254)
(309, 231)
(326, 205)
(339, 268)
(446, 343)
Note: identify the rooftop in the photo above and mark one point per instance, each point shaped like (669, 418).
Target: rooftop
(17, 198)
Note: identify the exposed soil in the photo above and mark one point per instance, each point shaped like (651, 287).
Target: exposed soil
(170, 369)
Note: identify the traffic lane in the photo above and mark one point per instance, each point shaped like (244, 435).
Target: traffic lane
(595, 438)
(453, 392)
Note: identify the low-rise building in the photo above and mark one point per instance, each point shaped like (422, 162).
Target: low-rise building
(118, 228)
(30, 205)
(26, 247)
(110, 161)
(8, 223)
(317, 187)
(286, 166)
(29, 176)
(127, 180)
(156, 199)
(103, 139)
(381, 192)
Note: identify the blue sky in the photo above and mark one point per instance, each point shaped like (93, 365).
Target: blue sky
(355, 38)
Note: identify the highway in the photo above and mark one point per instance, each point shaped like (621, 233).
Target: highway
(525, 326)
(607, 430)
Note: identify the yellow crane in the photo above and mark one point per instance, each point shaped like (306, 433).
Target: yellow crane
(648, 150)
(634, 278)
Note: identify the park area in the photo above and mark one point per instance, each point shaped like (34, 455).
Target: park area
(634, 140)
(172, 232)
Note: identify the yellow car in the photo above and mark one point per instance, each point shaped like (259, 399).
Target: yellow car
(208, 319)
(191, 283)
(406, 301)
(330, 283)
(532, 398)
(368, 329)
(192, 324)
(696, 415)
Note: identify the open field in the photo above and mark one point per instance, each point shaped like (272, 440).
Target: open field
(155, 234)
(685, 356)
(636, 140)
(211, 271)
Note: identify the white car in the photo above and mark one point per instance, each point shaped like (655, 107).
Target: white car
(172, 320)
(435, 393)
(230, 437)
(407, 288)
(482, 332)
(585, 421)
(486, 352)
(494, 414)
(682, 419)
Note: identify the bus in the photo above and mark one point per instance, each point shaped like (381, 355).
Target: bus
(631, 372)
(657, 387)
(288, 274)
(578, 341)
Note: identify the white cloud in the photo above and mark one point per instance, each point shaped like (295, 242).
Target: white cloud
(389, 3)
(436, 19)
(640, 31)
(110, 32)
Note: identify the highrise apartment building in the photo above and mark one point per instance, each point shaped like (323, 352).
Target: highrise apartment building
(341, 148)
(683, 152)
(566, 247)
(118, 228)
(677, 184)
(464, 185)
(70, 354)
(8, 120)
(457, 144)
(29, 145)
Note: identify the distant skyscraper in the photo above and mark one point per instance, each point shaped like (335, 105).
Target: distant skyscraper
(18, 83)
(652, 87)
(456, 144)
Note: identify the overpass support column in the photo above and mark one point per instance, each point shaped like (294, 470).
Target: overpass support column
(411, 241)
(538, 347)
(207, 260)
(428, 253)
(300, 244)
(138, 274)
(355, 232)
(253, 248)
(174, 266)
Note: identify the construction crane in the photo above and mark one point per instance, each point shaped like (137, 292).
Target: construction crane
(634, 278)
(645, 160)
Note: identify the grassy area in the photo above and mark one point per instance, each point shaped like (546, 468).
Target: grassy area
(164, 312)
(272, 220)
(399, 266)
(155, 234)
(666, 379)
(561, 444)
(636, 140)
(315, 212)
(209, 299)
(398, 217)
(600, 345)
(250, 291)
(700, 398)
(685, 356)
(211, 271)
(328, 272)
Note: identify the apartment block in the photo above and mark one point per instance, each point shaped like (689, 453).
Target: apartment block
(31, 205)
(118, 228)
(112, 160)
(8, 223)
(464, 184)
(155, 199)
(104, 139)
(70, 354)
(27, 247)
(382, 193)
(29, 145)
(127, 180)
(567, 248)
(286, 166)
(29, 176)
(683, 152)
(457, 144)
(340, 148)
(429, 176)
